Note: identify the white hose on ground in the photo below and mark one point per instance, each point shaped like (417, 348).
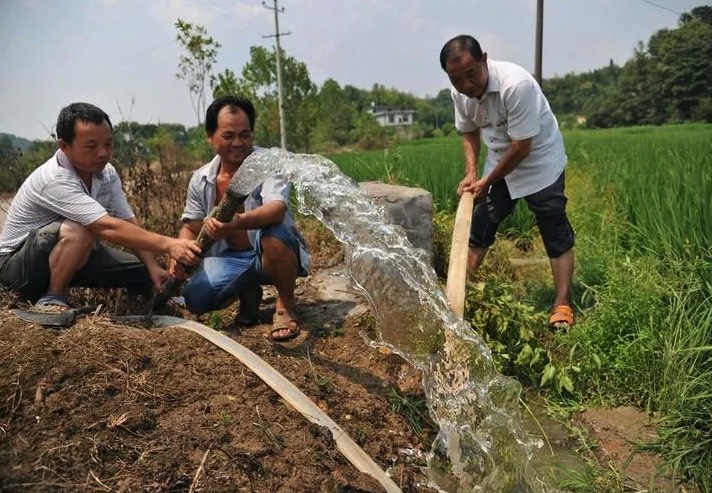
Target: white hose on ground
(289, 392)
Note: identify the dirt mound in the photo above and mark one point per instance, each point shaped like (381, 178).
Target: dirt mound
(105, 407)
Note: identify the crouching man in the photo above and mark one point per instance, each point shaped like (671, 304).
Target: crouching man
(259, 246)
(58, 222)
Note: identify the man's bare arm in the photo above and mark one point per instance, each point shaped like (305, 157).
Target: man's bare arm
(129, 235)
(513, 156)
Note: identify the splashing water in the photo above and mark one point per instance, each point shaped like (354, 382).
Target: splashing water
(481, 445)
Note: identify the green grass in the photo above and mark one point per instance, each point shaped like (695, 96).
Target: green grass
(436, 165)
(641, 205)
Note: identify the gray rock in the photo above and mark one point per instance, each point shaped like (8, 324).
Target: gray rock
(409, 207)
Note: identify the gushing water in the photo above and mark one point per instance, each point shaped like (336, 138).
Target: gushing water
(481, 445)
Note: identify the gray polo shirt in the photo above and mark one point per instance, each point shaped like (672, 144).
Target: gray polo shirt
(202, 192)
(514, 108)
(54, 192)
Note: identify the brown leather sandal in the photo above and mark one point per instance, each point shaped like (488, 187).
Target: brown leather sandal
(284, 325)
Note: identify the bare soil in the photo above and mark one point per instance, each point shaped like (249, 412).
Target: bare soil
(107, 407)
(620, 436)
(102, 406)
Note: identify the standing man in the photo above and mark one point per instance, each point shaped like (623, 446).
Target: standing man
(53, 230)
(259, 246)
(501, 104)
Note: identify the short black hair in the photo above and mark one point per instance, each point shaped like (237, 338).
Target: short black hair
(241, 102)
(85, 112)
(459, 44)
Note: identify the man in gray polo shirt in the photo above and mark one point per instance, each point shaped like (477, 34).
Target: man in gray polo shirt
(259, 246)
(500, 104)
(52, 235)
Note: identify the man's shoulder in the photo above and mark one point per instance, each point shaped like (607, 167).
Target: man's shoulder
(508, 74)
(206, 170)
(48, 172)
(110, 173)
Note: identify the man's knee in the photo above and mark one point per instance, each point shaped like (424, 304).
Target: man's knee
(556, 233)
(483, 228)
(276, 237)
(200, 296)
(75, 234)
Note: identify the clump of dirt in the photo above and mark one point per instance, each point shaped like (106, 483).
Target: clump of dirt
(620, 436)
(108, 407)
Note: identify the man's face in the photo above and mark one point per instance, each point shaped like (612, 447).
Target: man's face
(468, 75)
(91, 148)
(233, 139)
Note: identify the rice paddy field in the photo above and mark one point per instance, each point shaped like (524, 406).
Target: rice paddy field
(640, 200)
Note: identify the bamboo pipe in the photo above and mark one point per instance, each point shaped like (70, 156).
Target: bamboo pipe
(457, 269)
(223, 212)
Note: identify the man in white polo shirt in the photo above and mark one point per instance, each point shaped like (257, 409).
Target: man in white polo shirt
(52, 232)
(500, 104)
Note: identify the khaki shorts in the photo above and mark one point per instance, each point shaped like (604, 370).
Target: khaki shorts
(26, 270)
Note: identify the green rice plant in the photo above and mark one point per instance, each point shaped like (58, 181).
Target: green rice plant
(436, 165)
(618, 341)
(686, 389)
(661, 181)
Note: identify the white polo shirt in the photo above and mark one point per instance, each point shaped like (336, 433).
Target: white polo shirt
(514, 108)
(54, 192)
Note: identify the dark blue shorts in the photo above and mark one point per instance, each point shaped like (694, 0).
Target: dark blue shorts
(548, 205)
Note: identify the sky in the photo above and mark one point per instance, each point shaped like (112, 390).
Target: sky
(122, 55)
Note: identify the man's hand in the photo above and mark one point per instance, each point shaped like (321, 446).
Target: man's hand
(158, 276)
(177, 270)
(478, 188)
(220, 231)
(466, 184)
(184, 251)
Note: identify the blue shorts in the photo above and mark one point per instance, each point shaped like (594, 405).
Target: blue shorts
(548, 205)
(221, 278)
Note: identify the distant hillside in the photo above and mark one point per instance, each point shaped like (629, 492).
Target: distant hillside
(20, 142)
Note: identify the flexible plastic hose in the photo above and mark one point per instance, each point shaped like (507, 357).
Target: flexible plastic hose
(289, 392)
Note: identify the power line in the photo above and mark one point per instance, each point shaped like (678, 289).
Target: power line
(310, 52)
(661, 7)
(254, 27)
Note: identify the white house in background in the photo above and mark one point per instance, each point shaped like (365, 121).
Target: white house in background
(389, 116)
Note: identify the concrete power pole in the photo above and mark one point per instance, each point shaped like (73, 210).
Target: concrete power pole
(276, 35)
(539, 39)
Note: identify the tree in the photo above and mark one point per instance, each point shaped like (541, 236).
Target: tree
(335, 116)
(435, 112)
(702, 13)
(10, 174)
(368, 133)
(683, 58)
(259, 82)
(226, 84)
(195, 66)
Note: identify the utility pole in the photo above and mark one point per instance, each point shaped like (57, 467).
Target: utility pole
(276, 35)
(539, 39)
